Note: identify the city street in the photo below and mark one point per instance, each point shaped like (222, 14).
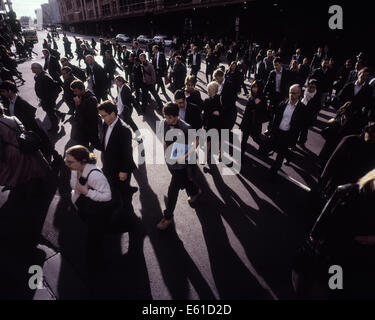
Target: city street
(237, 242)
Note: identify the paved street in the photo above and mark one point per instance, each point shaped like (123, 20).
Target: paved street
(238, 241)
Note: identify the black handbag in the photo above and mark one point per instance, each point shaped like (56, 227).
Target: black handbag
(28, 141)
(88, 208)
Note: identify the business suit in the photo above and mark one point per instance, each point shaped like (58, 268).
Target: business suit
(178, 76)
(228, 98)
(100, 81)
(193, 116)
(282, 140)
(194, 68)
(160, 67)
(53, 67)
(270, 87)
(298, 58)
(78, 72)
(128, 102)
(312, 110)
(117, 157)
(45, 89)
(85, 121)
(68, 94)
(25, 112)
(125, 62)
(137, 52)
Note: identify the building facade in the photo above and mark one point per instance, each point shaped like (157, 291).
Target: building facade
(124, 16)
(39, 19)
(54, 12)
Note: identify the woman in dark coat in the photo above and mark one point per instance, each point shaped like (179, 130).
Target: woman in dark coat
(193, 95)
(255, 115)
(212, 111)
(234, 75)
(211, 64)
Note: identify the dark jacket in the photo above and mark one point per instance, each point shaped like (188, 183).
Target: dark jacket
(86, 120)
(101, 82)
(138, 52)
(351, 160)
(316, 61)
(297, 122)
(254, 113)
(78, 72)
(128, 99)
(198, 60)
(360, 100)
(178, 75)
(25, 112)
(45, 88)
(210, 105)
(325, 79)
(118, 156)
(162, 71)
(260, 72)
(68, 92)
(270, 87)
(193, 116)
(53, 67)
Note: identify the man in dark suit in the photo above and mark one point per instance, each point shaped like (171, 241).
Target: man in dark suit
(286, 126)
(86, 119)
(52, 65)
(298, 56)
(194, 62)
(188, 111)
(136, 49)
(160, 66)
(125, 60)
(317, 59)
(76, 71)
(47, 90)
(228, 92)
(178, 74)
(98, 76)
(278, 82)
(68, 95)
(25, 112)
(117, 153)
(325, 77)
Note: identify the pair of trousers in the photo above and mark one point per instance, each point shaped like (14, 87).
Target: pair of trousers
(126, 115)
(160, 84)
(282, 140)
(50, 108)
(194, 70)
(180, 180)
(150, 88)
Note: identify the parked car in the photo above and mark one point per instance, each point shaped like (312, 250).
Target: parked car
(158, 38)
(144, 39)
(123, 38)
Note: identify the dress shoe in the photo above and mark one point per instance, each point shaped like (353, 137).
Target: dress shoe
(164, 224)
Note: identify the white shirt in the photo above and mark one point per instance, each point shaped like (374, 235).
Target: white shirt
(182, 112)
(278, 80)
(11, 105)
(221, 87)
(99, 189)
(108, 133)
(120, 105)
(357, 87)
(287, 117)
(157, 60)
(92, 75)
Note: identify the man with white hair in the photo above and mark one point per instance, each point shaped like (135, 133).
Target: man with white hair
(286, 126)
(47, 90)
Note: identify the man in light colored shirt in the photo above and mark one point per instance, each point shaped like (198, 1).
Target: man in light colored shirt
(287, 125)
(279, 73)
